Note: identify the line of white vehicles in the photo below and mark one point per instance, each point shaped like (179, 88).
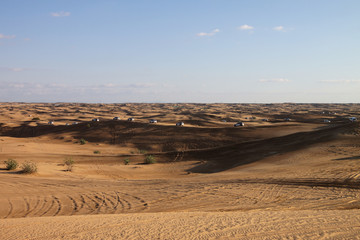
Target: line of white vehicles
(180, 124)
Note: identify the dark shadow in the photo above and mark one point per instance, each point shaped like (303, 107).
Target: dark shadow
(348, 158)
(231, 156)
(12, 172)
(301, 182)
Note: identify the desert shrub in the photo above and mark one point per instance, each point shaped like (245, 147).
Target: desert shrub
(88, 125)
(82, 141)
(142, 151)
(97, 152)
(126, 161)
(11, 164)
(149, 159)
(69, 163)
(36, 119)
(29, 167)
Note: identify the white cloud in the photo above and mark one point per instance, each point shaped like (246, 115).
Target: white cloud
(125, 86)
(245, 27)
(60, 14)
(278, 80)
(341, 81)
(279, 29)
(32, 86)
(2, 36)
(13, 69)
(209, 34)
(17, 69)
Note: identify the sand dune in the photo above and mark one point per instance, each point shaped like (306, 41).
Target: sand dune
(190, 225)
(268, 180)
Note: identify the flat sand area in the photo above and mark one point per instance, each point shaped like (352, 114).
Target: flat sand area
(292, 172)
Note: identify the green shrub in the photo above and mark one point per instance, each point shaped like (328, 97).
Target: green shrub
(97, 152)
(11, 164)
(82, 141)
(69, 163)
(126, 161)
(29, 167)
(142, 151)
(149, 159)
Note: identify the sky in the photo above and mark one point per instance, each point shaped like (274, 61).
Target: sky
(206, 51)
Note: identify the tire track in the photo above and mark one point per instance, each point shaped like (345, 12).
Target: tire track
(129, 206)
(49, 208)
(113, 204)
(27, 205)
(120, 202)
(59, 205)
(84, 202)
(68, 204)
(145, 204)
(95, 203)
(36, 205)
(44, 202)
(75, 205)
(11, 209)
(102, 202)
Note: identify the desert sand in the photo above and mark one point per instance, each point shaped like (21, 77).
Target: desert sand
(269, 179)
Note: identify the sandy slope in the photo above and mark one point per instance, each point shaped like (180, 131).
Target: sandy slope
(190, 225)
(269, 180)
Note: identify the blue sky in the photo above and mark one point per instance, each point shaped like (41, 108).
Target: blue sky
(180, 51)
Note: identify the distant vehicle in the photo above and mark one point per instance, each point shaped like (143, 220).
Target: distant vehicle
(116, 118)
(223, 120)
(327, 121)
(153, 121)
(51, 122)
(74, 123)
(239, 124)
(67, 124)
(131, 119)
(95, 120)
(265, 120)
(180, 124)
(287, 119)
(353, 119)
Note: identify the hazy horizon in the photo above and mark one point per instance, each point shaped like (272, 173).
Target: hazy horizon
(180, 52)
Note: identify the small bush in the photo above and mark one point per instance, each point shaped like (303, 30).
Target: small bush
(142, 151)
(82, 141)
(36, 119)
(11, 164)
(69, 163)
(149, 159)
(88, 125)
(126, 161)
(29, 167)
(97, 152)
